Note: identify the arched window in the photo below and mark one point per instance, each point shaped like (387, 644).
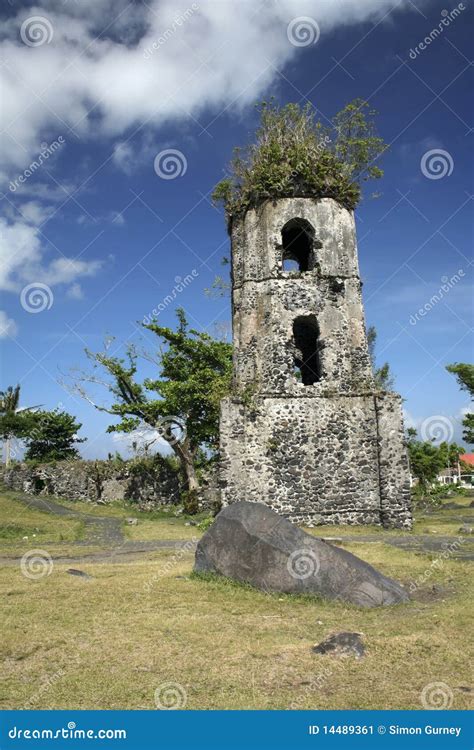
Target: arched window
(307, 345)
(297, 242)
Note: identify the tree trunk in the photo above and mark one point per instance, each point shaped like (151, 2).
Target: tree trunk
(8, 443)
(186, 458)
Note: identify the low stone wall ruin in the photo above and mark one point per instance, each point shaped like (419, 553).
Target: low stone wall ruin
(97, 481)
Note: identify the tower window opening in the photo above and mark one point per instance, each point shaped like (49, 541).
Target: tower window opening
(297, 243)
(307, 345)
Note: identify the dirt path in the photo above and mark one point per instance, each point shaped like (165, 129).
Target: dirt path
(106, 532)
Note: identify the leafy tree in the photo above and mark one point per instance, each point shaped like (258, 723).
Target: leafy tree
(465, 377)
(295, 155)
(182, 402)
(450, 454)
(10, 399)
(15, 421)
(426, 460)
(382, 375)
(53, 437)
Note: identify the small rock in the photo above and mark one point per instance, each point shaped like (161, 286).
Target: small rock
(341, 645)
(187, 523)
(465, 529)
(79, 573)
(131, 521)
(471, 504)
(25, 538)
(193, 523)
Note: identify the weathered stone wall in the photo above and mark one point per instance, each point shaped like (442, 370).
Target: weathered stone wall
(96, 481)
(331, 451)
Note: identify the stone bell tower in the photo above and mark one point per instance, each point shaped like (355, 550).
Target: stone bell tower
(305, 430)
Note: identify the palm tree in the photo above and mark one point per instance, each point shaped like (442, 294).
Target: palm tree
(9, 405)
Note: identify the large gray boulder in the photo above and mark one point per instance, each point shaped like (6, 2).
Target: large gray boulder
(250, 543)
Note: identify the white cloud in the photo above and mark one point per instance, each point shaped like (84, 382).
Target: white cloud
(8, 327)
(22, 258)
(213, 58)
(124, 157)
(75, 292)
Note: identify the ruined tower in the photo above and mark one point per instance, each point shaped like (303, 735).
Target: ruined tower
(305, 430)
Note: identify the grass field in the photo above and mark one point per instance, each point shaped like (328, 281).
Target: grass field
(17, 521)
(112, 640)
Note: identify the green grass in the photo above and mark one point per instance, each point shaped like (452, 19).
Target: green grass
(114, 639)
(111, 641)
(164, 523)
(439, 520)
(19, 521)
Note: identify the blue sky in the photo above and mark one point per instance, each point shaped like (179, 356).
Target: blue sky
(108, 237)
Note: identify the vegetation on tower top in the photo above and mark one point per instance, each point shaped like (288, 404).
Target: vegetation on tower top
(296, 155)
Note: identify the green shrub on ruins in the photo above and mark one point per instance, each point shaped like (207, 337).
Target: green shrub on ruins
(296, 155)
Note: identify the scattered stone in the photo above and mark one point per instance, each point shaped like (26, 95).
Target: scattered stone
(187, 523)
(465, 529)
(341, 645)
(452, 506)
(250, 543)
(332, 539)
(131, 521)
(79, 573)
